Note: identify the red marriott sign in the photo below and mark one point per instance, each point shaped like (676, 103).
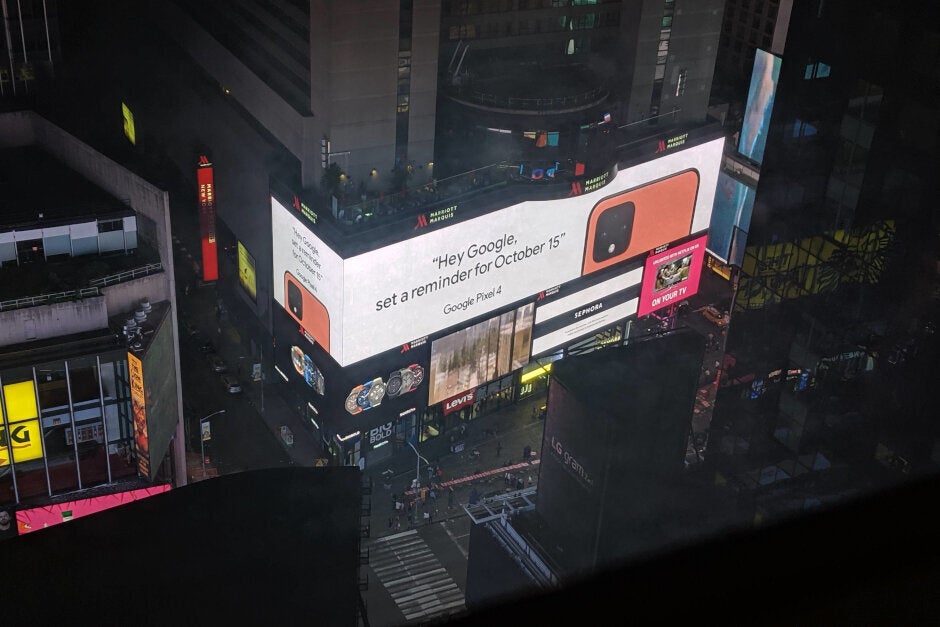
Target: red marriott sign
(454, 403)
(210, 260)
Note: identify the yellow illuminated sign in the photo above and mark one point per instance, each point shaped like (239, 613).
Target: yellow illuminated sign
(534, 374)
(246, 271)
(24, 440)
(129, 131)
(20, 400)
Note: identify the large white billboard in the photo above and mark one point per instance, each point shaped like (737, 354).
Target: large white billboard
(375, 301)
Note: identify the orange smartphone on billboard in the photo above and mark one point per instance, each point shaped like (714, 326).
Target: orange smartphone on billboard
(637, 220)
(307, 310)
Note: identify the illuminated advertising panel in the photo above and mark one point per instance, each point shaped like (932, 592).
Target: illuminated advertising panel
(139, 408)
(162, 408)
(21, 433)
(28, 520)
(246, 271)
(210, 260)
(734, 204)
(130, 131)
(672, 275)
(488, 350)
(372, 302)
(570, 314)
(760, 104)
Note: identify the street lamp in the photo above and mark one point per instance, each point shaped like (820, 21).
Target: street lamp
(418, 466)
(203, 433)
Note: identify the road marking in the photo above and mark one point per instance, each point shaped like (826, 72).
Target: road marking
(455, 538)
(413, 576)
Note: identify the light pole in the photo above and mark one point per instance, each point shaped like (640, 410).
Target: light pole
(203, 438)
(418, 467)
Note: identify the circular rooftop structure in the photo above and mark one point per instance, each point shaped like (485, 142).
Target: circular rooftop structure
(528, 88)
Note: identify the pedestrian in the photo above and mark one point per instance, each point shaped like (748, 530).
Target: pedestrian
(390, 521)
(526, 453)
(430, 517)
(499, 448)
(397, 522)
(450, 496)
(427, 518)
(394, 501)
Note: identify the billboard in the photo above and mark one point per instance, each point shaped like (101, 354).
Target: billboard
(760, 104)
(139, 407)
(578, 310)
(369, 303)
(20, 429)
(246, 271)
(672, 275)
(731, 217)
(485, 351)
(28, 520)
(210, 259)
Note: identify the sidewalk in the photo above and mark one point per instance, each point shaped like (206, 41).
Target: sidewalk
(477, 468)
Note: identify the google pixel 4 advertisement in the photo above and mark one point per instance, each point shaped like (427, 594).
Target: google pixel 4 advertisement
(307, 310)
(640, 219)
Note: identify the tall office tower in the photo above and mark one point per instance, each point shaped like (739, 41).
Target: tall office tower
(549, 71)
(351, 83)
(840, 269)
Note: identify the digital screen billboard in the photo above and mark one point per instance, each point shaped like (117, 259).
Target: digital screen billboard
(573, 312)
(372, 302)
(672, 275)
(734, 204)
(20, 431)
(760, 104)
(488, 350)
(28, 520)
(139, 407)
(246, 271)
(206, 181)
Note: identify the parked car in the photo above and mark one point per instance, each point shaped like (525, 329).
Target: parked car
(205, 345)
(231, 383)
(712, 313)
(216, 363)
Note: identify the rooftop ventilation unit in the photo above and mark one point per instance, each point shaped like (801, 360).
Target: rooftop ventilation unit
(145, 305)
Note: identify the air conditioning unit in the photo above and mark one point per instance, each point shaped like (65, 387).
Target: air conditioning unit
(145, 306)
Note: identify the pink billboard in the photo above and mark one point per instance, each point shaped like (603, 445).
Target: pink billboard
(672, 275)
(46, 516)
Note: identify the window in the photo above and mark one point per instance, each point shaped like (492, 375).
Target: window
(107, 226)
(680, 82)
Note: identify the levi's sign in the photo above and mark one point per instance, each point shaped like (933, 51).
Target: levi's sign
(455, 403)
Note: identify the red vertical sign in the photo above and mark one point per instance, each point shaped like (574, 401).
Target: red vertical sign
(210, 260)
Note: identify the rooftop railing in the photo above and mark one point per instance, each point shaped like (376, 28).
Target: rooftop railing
(127, 275)
(48, 299)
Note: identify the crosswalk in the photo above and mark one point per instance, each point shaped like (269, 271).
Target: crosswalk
(414, 577)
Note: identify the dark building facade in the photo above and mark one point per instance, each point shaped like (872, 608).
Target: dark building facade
(836, 301)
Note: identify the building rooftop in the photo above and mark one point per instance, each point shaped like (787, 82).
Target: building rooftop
(37, 190)
(272, 546)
